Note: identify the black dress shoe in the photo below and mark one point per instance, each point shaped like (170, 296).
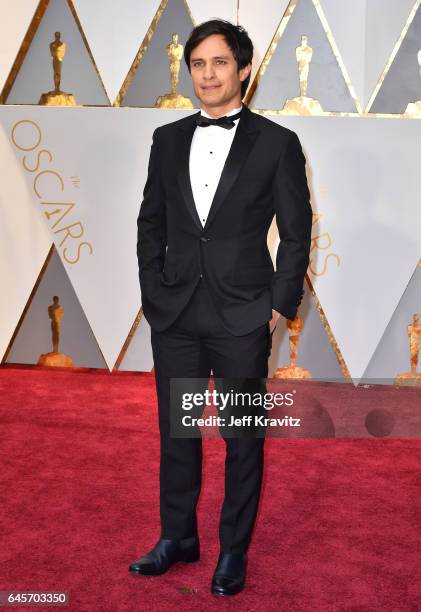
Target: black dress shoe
(164, 554)
(230, 574)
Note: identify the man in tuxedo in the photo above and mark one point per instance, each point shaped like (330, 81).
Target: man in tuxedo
(209, 291)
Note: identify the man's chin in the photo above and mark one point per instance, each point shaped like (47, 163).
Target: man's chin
(212, 101)
(212, 95)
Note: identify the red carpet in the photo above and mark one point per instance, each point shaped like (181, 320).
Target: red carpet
(339, 527)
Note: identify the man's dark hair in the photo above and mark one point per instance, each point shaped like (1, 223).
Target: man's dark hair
(236, 38)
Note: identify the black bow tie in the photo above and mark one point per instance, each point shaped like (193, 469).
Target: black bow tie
(224, 122)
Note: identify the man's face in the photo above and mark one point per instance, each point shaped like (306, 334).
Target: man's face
(215, 75)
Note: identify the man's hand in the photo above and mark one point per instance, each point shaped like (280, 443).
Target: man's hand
(274, 320)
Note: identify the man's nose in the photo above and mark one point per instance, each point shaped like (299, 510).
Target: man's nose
(208, 71)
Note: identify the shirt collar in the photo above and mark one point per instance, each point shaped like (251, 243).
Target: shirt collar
(234, 111)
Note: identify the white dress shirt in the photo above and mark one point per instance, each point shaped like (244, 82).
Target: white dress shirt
(209, 149)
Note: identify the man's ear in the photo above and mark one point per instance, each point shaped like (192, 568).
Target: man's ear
(244, 72)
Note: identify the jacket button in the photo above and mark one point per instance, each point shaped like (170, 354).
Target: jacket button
(204, 239)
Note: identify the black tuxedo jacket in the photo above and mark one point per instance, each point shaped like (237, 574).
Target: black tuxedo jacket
(264, 175)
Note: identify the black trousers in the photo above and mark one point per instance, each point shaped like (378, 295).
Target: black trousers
(193, 345)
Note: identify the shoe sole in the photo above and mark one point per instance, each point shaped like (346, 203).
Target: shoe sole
(222, 594)
(146, 573)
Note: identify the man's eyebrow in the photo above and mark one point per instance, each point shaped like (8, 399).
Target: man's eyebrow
(197, 59)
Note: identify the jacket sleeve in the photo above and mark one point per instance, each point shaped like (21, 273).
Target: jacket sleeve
(151, 222)
(294, 220)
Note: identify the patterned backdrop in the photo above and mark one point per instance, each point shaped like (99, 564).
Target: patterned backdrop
(72, 177)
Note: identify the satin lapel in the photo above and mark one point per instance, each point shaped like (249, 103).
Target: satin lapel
(242, 144)
(184, 138)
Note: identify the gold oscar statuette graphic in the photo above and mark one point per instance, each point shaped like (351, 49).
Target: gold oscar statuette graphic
(414, 108)
(56, 313)
(295, 327)
(412, 378)
(57, 97)
(173, 99)
(303, 105)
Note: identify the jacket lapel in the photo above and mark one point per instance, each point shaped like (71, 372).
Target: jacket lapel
(184, 138)
(244, 139)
